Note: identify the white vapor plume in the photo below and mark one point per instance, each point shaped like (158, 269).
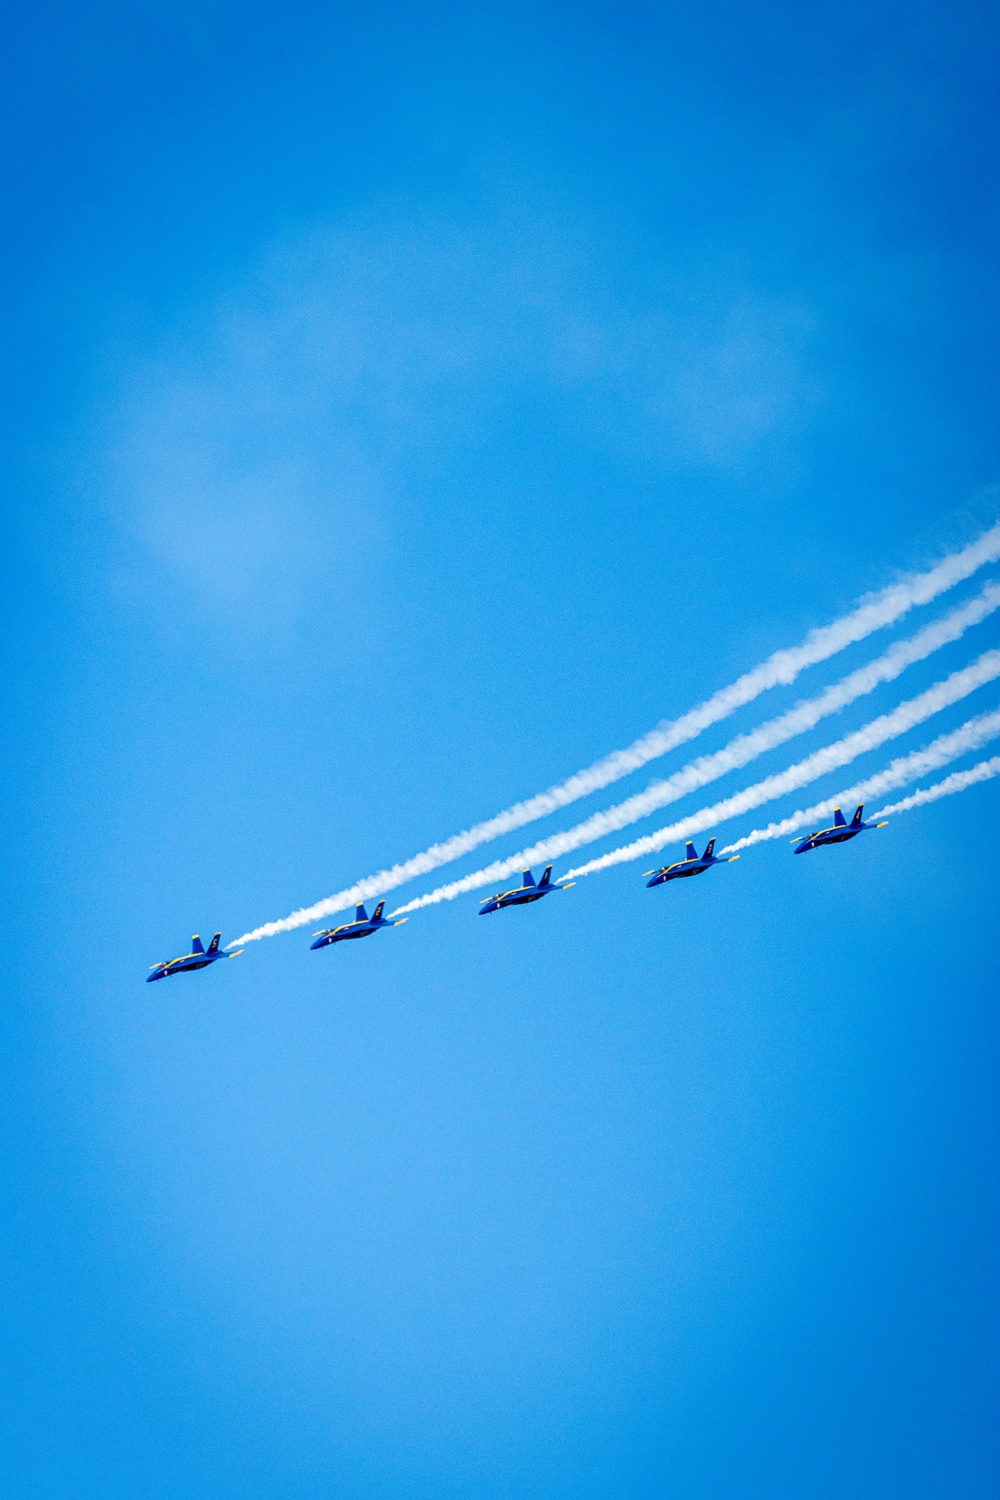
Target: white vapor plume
(781, 668)
(948, 747)
(747, 747)
(956, 782)
(889, 726)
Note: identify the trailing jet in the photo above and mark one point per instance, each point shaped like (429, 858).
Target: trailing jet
(198, 958)
(362, 926)
(689, 865)
(839, 833)
(528, 891)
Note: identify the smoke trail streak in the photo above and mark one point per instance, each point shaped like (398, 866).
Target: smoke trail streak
(970, 736)
(957, 782)
(747, 747)
(781, 668)
(889, 726)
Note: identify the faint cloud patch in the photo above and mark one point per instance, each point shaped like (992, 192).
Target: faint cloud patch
(253, 464)
(742, 385)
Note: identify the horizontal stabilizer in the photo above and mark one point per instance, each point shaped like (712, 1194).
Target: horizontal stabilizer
(196, 946)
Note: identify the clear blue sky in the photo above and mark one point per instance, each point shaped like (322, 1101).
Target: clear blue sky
(403, 406)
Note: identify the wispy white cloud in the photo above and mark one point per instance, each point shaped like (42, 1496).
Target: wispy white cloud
(345, 366)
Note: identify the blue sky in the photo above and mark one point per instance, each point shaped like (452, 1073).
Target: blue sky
(403, 408)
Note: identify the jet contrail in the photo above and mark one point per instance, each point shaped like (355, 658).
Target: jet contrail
(970, 736)
(888, 726)
(957, 782)
(746, 747)
(781, 668)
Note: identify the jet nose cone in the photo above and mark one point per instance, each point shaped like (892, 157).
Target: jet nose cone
(157, 975)
(489, 906)
(320, 942)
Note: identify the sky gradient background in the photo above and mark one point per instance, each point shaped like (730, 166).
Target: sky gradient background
(404, 407)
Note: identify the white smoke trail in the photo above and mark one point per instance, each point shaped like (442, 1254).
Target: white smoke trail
(948, 747)
(781, 668)
(956, 782)
(889, 726)
(747, 747)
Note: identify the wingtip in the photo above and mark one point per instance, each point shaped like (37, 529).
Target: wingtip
(400, 922)
(733, 858)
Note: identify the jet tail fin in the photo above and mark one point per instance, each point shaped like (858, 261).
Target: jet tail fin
(690, 851)
(196, 945)
(547, 876)
(213, 946)
(839, 821)
(709, 849)
(856, 820)
(378, 912)
(528, 877)
(360, 915)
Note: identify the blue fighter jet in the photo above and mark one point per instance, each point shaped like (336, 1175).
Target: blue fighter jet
(528, 891)
(839, 833)
(198, 958)
(689, 865)
(362, 926)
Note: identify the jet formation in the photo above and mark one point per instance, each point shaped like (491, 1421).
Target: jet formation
(525, 894)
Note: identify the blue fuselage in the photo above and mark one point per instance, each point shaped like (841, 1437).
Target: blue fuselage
(185, 965)
(682, 870)
(521, 897)
(348, 931)
(829, 836)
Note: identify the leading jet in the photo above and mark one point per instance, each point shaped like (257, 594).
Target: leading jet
(839, 833)
(689, 865)
(529, 890)
(198, 958)
(362, 926)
